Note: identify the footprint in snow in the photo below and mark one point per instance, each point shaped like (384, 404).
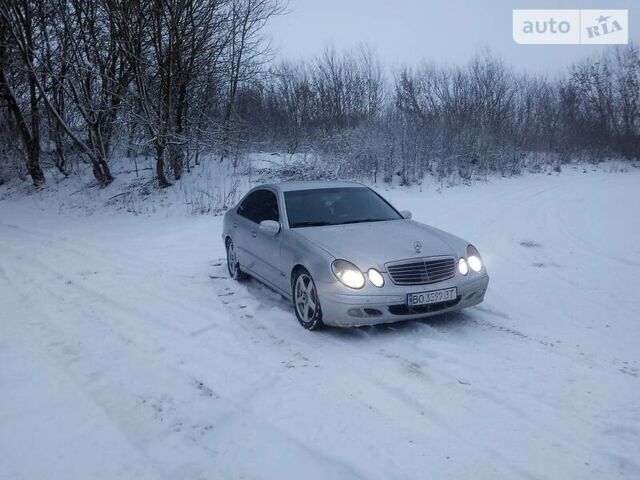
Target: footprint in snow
(205, 390)
(530, 244)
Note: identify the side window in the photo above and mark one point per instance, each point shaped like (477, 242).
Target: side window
(260, 205)
(268, 207)
(249, 206)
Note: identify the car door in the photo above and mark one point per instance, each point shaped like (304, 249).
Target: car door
(262, 250)
(242, 227)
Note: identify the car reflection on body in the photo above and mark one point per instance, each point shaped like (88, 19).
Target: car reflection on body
(346, 257)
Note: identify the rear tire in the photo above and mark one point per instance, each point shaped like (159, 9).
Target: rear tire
(233, 266)
(306, 303)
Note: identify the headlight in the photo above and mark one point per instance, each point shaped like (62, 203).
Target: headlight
(348, 273)
(375, 277)
(463, 268)
(473, 258)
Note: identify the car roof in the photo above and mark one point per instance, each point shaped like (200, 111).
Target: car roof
(310, 185)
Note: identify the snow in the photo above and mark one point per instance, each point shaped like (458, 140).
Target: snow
(125, 352)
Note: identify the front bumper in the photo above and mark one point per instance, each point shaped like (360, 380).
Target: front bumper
(370, 306)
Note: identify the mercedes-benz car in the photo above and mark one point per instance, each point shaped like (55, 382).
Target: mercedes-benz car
(345, 256)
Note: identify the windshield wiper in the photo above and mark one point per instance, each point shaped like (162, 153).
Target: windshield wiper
(365, 220)
(311, 224)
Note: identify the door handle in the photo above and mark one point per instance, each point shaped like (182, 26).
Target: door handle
(235, 225)
(253, 233)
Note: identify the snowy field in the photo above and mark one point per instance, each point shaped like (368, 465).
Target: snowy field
(126, 353)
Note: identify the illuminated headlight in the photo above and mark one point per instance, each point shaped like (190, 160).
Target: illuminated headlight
(348, 274)
(473, 259)
(463, 267)
(375, 277)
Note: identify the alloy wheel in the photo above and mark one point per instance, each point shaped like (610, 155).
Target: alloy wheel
(306, 298)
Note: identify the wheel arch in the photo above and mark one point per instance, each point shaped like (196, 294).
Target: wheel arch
(296, 267)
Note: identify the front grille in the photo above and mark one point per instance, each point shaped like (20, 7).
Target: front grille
(421, 272)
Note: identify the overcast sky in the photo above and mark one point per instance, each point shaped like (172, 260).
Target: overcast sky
(450, 31)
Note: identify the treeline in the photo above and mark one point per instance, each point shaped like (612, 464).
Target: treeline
(81, 78)
(84, 81)
(459, 120)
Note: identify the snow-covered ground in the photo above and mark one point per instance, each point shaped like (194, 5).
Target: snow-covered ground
(125, 352)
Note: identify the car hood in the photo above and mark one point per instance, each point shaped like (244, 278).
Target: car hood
(373, 244)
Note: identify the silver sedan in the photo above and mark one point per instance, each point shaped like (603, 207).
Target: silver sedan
(346, 257)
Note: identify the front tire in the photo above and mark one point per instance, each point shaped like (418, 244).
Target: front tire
(306, 303)
(233, 266)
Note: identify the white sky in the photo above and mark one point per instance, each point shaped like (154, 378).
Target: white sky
(449, 31)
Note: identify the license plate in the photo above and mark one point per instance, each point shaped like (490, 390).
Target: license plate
(433, 296)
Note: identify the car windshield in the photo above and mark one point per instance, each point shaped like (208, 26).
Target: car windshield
(336, 206)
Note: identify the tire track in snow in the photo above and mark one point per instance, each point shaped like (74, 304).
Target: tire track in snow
(167, 409)
(423, 413)
(414, 370)
(407, 357)
(546, 219)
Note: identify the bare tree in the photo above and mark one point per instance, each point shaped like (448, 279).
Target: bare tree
(246, 54)
(20, 27)
(179, 78)
(95, 73)
(17, 24)
(171, 47)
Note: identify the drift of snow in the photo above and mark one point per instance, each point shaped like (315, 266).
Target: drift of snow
(126, 352)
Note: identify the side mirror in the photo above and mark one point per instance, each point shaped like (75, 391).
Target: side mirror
(406, 214)
(270, 227)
